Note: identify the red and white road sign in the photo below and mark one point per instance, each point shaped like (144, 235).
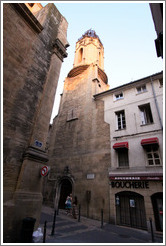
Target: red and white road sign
(44, 171)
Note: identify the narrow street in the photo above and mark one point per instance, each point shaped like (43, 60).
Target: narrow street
(70, 230)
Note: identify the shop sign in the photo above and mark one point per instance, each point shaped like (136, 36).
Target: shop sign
(130, 184)
(136, 178)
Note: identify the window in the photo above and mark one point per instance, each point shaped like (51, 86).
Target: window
(99, 59)
(80, 55)
(153, 157)
(72, 114)
(145, 114)
(120, 120)
(141, 89)
(123, 158)
(119, 96)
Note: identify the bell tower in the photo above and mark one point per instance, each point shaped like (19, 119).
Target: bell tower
(79, 136)
(89, 50)
(88, 62)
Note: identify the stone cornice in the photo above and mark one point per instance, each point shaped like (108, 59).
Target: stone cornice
(77, 70)
(26, 14)
(35, 154)
(59, 49)
(102, 75)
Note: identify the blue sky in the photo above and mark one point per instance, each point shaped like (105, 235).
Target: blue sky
(127, 32)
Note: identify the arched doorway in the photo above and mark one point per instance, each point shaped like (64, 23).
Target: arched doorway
(157, 202)
(65, 190)
(130, 209)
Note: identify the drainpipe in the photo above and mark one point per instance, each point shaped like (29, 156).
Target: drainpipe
(156, 103)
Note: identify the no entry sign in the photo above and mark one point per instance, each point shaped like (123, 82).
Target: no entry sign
(44, 171)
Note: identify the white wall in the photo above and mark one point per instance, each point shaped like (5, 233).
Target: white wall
(134, 131)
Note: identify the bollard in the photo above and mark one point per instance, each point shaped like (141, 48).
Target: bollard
(101, 218)
(79, 213)
(151, 227)
(53, 225)
(44, 235)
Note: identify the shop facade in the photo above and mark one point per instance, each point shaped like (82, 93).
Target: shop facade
(136, 200)
(134, 112)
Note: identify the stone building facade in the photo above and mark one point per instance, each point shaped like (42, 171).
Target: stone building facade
(34, 46)
(78, 156)
(134, 112)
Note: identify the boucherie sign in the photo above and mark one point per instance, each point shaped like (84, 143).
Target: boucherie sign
(130, 184)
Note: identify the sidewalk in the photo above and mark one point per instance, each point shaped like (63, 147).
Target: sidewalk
(69, 230)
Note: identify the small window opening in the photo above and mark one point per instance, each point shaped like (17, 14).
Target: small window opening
(99, 59)
(141, 89)
(119, 96)
(80, 55)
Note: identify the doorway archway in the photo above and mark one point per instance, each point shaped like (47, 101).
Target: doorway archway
(65, 190)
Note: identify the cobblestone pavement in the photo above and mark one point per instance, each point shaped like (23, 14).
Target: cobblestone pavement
(69, 230)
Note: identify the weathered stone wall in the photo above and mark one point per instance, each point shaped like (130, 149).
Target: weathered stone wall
(82, 144)
(33, 54)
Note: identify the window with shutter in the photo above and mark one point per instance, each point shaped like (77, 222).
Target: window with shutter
(120, 120)
(123, 158)
(145, 114)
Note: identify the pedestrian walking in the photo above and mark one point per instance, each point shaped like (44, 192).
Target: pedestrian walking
(68, 204)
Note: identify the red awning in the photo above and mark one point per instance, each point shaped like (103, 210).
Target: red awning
(149, 141)
(122, 145)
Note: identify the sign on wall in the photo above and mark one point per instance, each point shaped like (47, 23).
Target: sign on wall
(38, 143)
(130, 184)
(90, 176)
(137, 178)
(44, 171)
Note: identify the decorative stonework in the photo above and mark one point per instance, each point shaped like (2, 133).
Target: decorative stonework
(59, 49)
(90, 33)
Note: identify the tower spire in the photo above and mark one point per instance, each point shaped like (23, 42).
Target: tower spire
(89, 50)
(90, 33)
